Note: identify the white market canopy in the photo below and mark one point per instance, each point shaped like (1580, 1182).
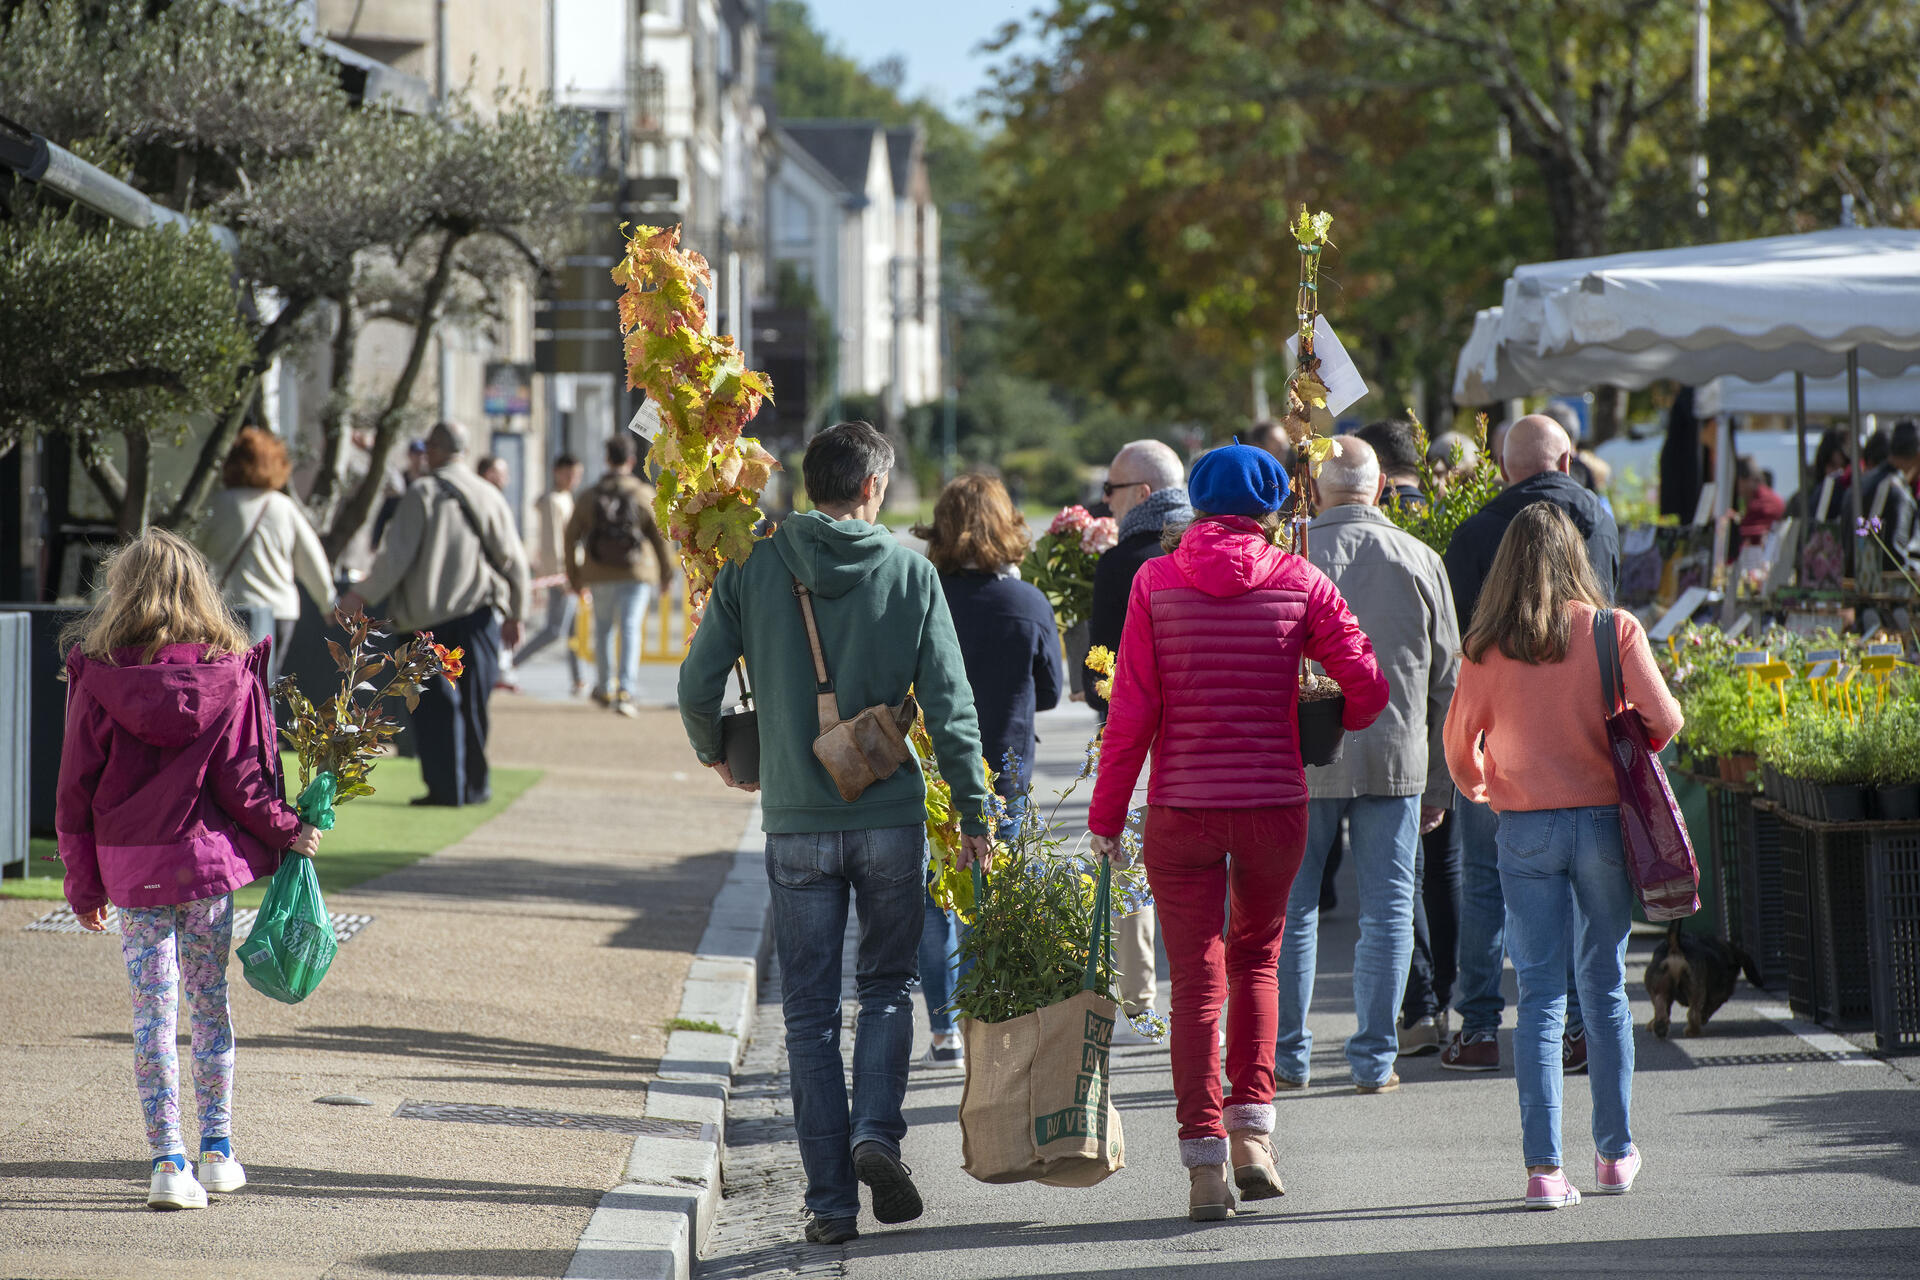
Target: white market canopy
(1749, 309)
(1826, 397)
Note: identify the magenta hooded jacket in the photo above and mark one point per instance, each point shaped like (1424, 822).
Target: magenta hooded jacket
(170, 785)
(1209, 675)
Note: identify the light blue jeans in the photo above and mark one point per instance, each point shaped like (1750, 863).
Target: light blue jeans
(1568, 899)
(622, 604)
(1383, 834)
(884, 872)
(1483, 918)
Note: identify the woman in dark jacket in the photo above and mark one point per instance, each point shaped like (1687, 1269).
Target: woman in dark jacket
(1011, 645)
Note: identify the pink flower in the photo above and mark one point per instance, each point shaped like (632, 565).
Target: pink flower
(1100, 535)
(1070, 520)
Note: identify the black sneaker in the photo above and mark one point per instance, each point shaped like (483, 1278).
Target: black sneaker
(831, 1230)
(895, 1198)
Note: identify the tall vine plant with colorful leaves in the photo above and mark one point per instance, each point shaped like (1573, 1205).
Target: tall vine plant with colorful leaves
(711, 473)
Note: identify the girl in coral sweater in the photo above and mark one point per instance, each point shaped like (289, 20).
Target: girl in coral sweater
(169, 800)
(1527, 734)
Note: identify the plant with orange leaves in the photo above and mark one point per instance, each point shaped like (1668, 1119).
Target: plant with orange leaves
(710, 472)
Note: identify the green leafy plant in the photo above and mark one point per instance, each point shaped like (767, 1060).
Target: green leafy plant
(1026, 937)
(343, 736)
(1062, 561)
(1447, 503)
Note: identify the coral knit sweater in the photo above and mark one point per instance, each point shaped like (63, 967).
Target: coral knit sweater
(1522, 736)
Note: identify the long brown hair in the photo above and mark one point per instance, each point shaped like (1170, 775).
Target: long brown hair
(1540, 570)
(159, 592)
(258, 460)
(975, 526)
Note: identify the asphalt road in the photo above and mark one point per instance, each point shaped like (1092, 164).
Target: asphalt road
(1766, 1155)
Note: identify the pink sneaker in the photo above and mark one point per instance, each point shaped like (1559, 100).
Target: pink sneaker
(1615, 1177)
(1551, 1191)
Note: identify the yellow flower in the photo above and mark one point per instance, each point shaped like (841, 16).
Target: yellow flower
(1104, 688)
(1101, 659)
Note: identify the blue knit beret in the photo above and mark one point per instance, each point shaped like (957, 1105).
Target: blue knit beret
(1238, 480)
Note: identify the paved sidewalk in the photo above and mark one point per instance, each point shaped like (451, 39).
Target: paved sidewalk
(533, 965)
(1766, 1156)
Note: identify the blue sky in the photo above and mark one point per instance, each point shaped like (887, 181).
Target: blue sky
(938, 39)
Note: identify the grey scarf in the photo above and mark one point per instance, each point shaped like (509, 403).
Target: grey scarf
(1155, 512)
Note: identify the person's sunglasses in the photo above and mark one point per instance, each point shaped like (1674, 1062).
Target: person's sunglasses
(1108, 487)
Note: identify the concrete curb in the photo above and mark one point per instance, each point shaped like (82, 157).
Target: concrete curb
(655, 1223)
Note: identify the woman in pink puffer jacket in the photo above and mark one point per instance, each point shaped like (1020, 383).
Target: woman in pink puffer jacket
(1209, 680)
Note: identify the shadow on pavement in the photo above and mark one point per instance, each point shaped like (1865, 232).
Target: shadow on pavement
(276, 1180)
(441, 1046)
(471, 1262)
(1868, 1131)
(1789, 1254)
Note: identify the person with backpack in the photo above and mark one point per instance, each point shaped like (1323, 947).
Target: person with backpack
(615, 550)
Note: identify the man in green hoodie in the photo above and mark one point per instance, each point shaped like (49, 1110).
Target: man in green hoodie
(884, 629)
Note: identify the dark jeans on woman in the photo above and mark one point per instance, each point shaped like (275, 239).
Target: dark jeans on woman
(1436, 924)
(885, 872)
(450, 724)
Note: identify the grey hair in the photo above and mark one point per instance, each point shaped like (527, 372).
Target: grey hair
(1441, 452)
(1350, 470)
(840, 459)
(450, 437)
(1152, 462)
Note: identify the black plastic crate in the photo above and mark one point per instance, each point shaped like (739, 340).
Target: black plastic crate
(1745, 841)
(1851, 923)
(1893, 867)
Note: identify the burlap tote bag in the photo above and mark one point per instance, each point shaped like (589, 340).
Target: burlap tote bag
(1037, 1105)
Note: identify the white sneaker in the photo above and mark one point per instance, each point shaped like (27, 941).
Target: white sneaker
(221, 1173)
(175, 1188)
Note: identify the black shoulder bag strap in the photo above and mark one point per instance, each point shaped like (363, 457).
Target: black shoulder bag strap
(494, 558)
(1606, 642)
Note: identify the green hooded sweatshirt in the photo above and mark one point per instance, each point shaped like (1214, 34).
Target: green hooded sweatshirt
(884, 627)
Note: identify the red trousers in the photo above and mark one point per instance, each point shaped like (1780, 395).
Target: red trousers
(1195, 860)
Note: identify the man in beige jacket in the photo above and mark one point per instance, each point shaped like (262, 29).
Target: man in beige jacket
(615, 550)
(450, 563)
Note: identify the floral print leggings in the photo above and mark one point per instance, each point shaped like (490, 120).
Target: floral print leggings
(164, 945)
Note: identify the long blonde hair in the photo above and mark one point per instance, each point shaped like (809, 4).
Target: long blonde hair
(159, 592)
(1540, 571)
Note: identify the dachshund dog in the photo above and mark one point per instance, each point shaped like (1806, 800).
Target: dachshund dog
(1698, 971)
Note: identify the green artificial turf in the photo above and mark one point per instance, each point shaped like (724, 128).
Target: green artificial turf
(373, 835)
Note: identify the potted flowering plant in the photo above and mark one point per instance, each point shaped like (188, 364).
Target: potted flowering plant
(1061, 562)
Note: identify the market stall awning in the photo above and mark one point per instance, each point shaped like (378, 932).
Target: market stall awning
(1895, 397)
(1751, 309)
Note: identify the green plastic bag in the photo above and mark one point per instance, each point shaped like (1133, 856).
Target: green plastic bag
(291, 945)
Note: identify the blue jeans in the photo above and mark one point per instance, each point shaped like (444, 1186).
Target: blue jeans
(623, 604)
(1384, 837)
(559, 626)
(1568, 900)
(812, 874)
(939, 965)
(1483, 921)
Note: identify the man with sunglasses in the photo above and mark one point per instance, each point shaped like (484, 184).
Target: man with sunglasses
(1146, 489)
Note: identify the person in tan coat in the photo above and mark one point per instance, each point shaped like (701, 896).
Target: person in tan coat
(615, 550)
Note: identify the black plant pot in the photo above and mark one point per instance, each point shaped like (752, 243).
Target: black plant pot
(1897, 804)
(1843, 802)
(1321, 733)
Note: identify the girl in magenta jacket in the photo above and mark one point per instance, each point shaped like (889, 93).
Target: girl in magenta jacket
(1209, 680)
(169, 800)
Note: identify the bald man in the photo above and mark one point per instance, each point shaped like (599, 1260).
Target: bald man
(1535, 461)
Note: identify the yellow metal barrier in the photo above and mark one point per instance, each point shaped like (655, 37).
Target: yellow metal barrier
(657, 641)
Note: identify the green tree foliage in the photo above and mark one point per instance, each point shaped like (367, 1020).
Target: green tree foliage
(1150, 151)
(129, 333)
(207, 105)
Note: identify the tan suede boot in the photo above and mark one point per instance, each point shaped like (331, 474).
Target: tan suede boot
(1209, 1198)
(1253, 1168)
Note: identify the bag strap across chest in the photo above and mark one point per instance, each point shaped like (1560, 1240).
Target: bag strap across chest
(824, 696)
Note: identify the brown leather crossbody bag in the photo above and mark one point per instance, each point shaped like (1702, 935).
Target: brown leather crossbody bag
(866, 749)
